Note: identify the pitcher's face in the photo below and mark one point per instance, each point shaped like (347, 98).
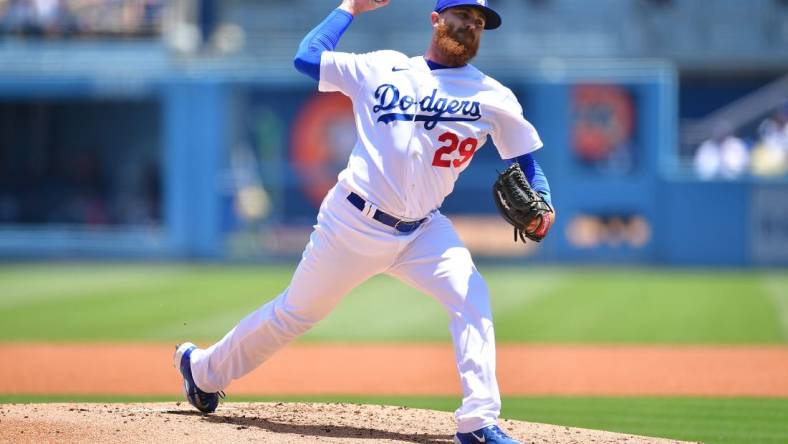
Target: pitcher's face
(458, 33)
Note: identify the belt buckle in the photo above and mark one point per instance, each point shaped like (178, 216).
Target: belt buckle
(396, 226)
(412, 226)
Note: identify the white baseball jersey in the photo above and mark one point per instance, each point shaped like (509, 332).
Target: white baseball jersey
(419, 128)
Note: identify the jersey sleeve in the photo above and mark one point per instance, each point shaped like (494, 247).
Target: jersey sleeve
(342, 71)
(513, 135)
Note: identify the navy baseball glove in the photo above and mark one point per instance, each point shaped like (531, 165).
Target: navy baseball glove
(527, 211)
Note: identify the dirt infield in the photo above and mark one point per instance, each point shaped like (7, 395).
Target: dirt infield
(262, 422)
(134, 369)
(128, 369)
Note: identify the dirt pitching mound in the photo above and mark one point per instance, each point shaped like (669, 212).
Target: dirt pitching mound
(261, 422)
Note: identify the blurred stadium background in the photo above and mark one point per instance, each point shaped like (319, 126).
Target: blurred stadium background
(178, 131)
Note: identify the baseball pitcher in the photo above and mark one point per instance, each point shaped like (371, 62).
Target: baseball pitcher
(420, 120)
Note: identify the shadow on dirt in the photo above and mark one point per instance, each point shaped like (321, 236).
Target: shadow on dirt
(328, 431)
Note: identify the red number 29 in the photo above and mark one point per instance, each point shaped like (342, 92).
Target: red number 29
(466, 147)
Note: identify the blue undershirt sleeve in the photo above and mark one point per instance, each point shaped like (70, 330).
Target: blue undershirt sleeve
(324, 37)
(534, 174)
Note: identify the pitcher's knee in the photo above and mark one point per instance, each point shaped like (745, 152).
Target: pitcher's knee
(469, 294)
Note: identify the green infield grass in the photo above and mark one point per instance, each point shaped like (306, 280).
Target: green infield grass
(170, 302)
(709, 420)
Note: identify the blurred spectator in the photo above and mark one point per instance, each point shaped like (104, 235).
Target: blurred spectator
(58, 18)
(723, 156)
(37, 17)
(770, 154)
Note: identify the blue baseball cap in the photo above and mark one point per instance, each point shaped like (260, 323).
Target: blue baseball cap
(492, 19)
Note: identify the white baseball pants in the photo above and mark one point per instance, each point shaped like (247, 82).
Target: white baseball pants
(345, 249)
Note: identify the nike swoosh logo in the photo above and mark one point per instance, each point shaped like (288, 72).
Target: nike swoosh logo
(395, 69)
(482, 439)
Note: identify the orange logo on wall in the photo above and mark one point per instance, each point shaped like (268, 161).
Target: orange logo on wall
(323, 136)
(603, 120)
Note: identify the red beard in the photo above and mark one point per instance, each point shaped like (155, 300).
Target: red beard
(457, 45)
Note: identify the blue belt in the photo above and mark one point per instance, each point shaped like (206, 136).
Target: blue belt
(385, 218)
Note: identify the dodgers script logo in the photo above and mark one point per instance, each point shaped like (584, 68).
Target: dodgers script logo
(430, 110)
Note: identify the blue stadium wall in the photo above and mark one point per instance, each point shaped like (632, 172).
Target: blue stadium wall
(623, 203)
